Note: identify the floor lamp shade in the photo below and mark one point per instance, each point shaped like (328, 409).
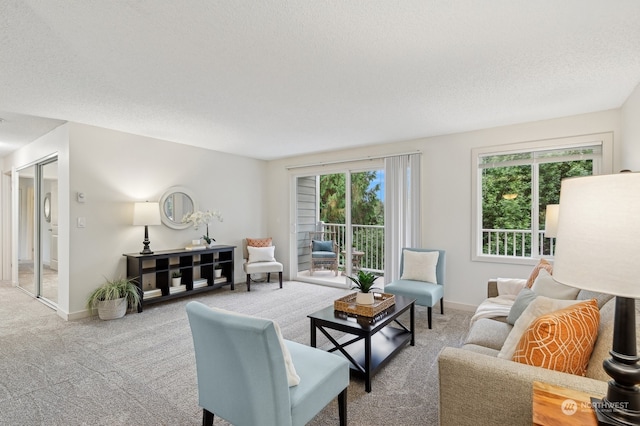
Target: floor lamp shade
(598, 249)
(146, 214)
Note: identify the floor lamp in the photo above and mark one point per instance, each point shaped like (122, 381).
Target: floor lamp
(146, 214)
(598, 249)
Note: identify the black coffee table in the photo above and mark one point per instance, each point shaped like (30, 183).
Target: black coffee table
(370, 342)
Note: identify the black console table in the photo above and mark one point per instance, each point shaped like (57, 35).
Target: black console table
(196, 266)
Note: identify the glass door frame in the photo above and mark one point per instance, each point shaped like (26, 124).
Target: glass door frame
(347, 170)
(38, 225)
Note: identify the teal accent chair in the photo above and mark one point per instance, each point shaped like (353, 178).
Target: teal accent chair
(426, 293)
(242, 375)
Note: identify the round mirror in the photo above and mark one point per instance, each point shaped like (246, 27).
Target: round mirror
(47, 207)
(176, 203)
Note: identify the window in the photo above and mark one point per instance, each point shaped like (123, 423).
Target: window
(513, 185)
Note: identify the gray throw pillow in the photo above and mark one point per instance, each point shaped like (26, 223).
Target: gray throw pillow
(523, 299)
(601, 298)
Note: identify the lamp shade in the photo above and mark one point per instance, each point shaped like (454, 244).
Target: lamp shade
(598, 245)
(551, 220)
(146, 214)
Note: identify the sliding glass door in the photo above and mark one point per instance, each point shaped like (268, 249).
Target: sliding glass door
(38, 230)
(346, 208)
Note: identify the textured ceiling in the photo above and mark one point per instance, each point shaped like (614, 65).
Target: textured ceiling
(274, 78)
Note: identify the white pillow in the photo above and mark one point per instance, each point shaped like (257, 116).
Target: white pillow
(261, 254)
(292, 376)
(545, 285)
(420, 266)
(541, 305)
(510, 286)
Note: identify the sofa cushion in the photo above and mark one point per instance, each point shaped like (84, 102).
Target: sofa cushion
(541, 305)
(562, 340)
(420, 266)
(542, 264)
(601, 298)
(545, 285)
(481, 350)
(322, 245)
(604, 342)
(488, 333)
(524, 298)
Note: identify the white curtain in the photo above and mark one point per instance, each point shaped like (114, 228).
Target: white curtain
(402, 210)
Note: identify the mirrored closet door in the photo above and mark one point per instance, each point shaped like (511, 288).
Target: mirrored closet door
(38, 230)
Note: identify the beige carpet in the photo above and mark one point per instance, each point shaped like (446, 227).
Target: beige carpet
(140, 370)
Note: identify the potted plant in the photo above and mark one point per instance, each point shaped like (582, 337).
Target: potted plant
(176, 278)
(199, 218)
(217, 272)
(113, 297)
(364, 282)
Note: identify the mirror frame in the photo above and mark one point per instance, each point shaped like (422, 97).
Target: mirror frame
(47, 207)
(168, 193)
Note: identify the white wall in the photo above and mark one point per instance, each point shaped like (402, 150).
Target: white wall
(630, 113)
(116, 169)
(446, 168)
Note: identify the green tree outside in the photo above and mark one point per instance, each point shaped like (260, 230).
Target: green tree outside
(507, 194)
(366, 208)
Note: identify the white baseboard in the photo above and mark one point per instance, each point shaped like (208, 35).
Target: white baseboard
(460, 306)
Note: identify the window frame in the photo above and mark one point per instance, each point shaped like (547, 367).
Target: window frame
(603, 166)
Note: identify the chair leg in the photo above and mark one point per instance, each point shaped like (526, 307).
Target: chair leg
(342, 407)
(248, 282)
(429, 316)
(442, 306)
(207, 417)
(280, 278)
(268, 277)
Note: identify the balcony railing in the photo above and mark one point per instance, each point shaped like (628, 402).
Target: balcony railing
(515, 243)
(368, 239)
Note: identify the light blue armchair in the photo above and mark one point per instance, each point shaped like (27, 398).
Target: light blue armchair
(426, 292)
(242, 375)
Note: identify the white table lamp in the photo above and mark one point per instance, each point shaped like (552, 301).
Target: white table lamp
(598, 249)
(146, 214)
(551, 220)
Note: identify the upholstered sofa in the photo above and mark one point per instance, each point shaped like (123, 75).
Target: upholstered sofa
(479, 388)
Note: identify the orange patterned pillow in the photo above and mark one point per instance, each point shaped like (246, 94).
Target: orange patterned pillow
(543, 264)
(562, 340)
(259, 242)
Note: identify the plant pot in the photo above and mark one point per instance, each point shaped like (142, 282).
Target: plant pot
(364, 298)
(112, 309)
(175, 282)
(217, 273)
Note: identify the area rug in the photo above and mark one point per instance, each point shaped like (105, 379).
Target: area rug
(140, 370)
